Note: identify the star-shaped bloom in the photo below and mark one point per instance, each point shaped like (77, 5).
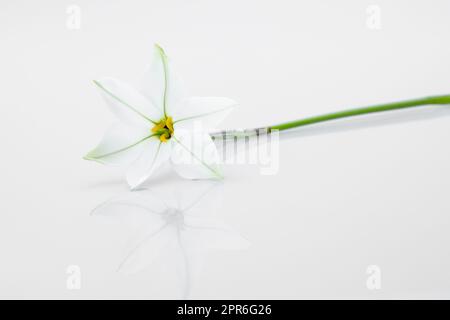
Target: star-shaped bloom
(160, 124)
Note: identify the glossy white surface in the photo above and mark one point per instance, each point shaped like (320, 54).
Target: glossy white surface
(340, 202)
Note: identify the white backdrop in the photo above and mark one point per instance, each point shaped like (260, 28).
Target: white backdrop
(339, 203)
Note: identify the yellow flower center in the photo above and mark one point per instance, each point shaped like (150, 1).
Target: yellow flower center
(164, 129)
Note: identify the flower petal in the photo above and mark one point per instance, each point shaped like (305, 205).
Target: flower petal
(209, 110)
(121, 145)
(161, 84)
(127, 103)
(195, 156)
(154, 155)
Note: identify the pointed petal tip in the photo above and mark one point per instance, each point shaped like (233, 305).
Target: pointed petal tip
(135, 186)
(88, 156)
(218, 175)
(160, 49)
(98, 82)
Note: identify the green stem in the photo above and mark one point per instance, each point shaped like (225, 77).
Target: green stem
(361, 111)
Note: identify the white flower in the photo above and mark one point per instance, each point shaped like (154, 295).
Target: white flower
(157, 126)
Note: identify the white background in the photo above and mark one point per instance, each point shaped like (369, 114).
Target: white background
(340, 202)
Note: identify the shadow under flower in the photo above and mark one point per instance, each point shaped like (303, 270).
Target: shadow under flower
(175, 222)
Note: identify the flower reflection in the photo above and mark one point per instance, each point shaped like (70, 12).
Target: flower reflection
(176, 224)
